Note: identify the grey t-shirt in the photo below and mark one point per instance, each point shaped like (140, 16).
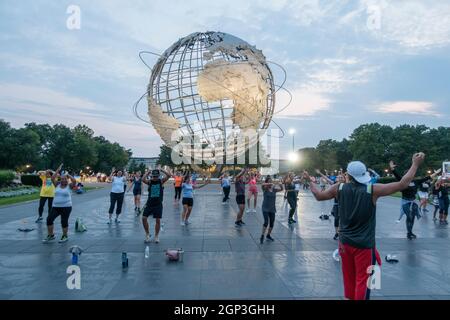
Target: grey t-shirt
(240, 187)
(268, 204)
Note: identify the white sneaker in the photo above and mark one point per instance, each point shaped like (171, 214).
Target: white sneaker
(398, 221)
(187, 222)
(254, 210)
(182, 223)
(147, 239)
(109, 221)
(157, 239)
(247, 211)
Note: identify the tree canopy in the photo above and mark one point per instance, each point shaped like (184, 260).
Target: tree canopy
(42, 146)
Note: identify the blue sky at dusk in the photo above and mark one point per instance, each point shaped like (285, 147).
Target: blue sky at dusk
(348, 62)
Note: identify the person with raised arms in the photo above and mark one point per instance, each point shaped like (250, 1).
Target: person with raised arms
(62, 205)
(188, 197)
(357, 215)
(268, 207)
(154, 205)
(119, 182)
(47, 193)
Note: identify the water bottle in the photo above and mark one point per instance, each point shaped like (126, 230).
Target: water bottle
(74, 258)
(162, 226)
(147, 252)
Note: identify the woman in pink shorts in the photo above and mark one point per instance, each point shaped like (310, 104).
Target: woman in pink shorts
(252, 192)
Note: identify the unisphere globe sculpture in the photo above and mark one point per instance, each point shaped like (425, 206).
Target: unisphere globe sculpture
(214, 86)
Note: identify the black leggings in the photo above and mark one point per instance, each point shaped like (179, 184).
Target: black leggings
(42, 201)
(116, 197)
(292, 200)
(443, 206)
(268, 216)
(410, 210)
(177, 193)
(64, 212)
(226, 192)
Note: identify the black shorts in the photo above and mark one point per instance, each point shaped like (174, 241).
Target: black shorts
(137, 192)
(156, 212)
(188, 201)
(240, 199)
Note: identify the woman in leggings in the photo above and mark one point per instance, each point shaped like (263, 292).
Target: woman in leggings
(443, 201)
(226, 187)
(178, 181)
(117, 193)
(291, 196)
(62, 205)
(268, 207)
(136, 184)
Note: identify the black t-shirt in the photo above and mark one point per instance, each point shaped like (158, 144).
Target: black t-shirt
(155, 193)
(410, 192)
(442, 192)
(357, 215)
(424, 187)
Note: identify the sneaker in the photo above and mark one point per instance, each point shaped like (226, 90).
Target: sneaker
(248, 211)
(413, 235)
(397, 221)
(182, 223)
(147, 239)
(445, 222)
(336, 236)
(49, 238)
(269, 237)
(39, 220)
(294, 221)
(117, 220)
(261, 239)
(254, 210)
(156, 239)
(409, 236)
(109, 221)
(425, 210)
(242, 222)
(238, 224)
(187, 222)
(63, 239)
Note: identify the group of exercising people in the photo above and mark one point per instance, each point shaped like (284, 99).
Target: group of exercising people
(355, 193)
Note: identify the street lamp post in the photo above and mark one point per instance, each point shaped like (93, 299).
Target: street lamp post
(292, 133)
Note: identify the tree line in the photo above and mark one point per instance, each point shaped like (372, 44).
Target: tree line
(41, 146)
(376, 144)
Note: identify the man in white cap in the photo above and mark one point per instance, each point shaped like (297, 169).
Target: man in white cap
(357, 208)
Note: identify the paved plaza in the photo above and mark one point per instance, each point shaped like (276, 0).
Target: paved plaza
(220, 261)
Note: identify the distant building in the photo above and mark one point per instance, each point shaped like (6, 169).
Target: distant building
(150, 163)
(277, 166)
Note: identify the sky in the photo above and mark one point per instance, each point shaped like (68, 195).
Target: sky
(348, 62)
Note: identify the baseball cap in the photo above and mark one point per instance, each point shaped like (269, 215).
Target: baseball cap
(358, 171)
(155, 173)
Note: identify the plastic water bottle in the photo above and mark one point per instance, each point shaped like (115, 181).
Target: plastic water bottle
(147, 252)
(124, 260)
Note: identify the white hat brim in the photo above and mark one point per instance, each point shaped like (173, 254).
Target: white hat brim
(365, 179)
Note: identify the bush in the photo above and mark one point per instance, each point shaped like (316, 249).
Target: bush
(31, 180)
(6, 177)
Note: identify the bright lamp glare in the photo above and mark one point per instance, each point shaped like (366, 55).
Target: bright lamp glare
(293, 157)
(291, 131)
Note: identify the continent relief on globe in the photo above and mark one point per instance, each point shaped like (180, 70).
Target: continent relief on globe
(239, 81)
(164, 124)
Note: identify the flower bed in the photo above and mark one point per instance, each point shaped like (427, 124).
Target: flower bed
(17, 191)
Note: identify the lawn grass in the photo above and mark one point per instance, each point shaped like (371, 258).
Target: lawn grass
(29, 197)
(18, 199)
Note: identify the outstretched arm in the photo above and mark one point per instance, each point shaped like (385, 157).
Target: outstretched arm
(320, 195)
(381, 190)
(55, 175)
(324, 176)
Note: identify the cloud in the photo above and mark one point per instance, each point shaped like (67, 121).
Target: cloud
(413, 25)
(423, 108)
(304, 104)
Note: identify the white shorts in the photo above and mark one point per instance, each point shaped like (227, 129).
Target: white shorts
(423, 195)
